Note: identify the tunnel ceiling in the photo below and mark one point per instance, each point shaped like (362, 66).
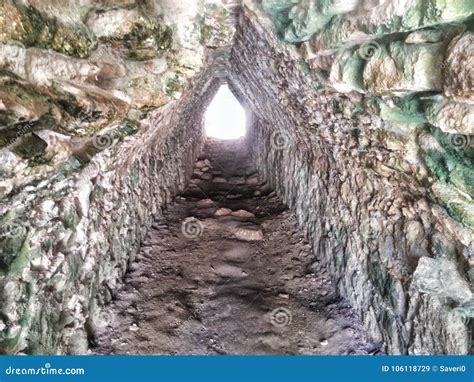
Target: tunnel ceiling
(362, 117)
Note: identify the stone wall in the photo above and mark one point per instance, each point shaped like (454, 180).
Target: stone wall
(362, 120)
(364, 192)
(68, 240)
(100, 124)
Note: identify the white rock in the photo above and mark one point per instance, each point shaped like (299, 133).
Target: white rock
(200, 164)
(134, 328)
(253, 180)
(10, 162)
(205, 203)
(82, 198)
(246, 234)
(223, 212)
(115, 22)
(39, 265)
(243, 214)
(6, 187)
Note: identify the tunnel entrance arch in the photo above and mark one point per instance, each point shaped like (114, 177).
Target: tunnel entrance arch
(225, 117)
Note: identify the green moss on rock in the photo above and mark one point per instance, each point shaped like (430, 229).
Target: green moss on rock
(404, 110)
(129, 127)
(279, 11)
(343, 30)
(347, 71)
(28, 26)
(137, 40)
(22, 260)
(9, 345)
(458, 205)
(70, 218)
(305, 21)
(454, 165)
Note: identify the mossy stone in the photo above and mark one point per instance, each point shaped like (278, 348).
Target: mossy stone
(32, 28)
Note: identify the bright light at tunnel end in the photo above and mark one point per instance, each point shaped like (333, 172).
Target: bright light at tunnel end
(225, 117)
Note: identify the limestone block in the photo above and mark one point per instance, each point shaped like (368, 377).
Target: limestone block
(13, 57)
(29, 26)
(113, 23)
(44, 67)
(346, 72)
(247, 234)
(143, 37)
(223, 212)
(459, 69)
(306, 19)
(376, 18)
(296, 22)
(440, 277)
(400, 68)
(451, 117)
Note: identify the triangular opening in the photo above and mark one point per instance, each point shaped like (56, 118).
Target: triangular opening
(225, 118)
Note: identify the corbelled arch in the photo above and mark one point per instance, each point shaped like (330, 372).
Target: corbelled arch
(360, 119)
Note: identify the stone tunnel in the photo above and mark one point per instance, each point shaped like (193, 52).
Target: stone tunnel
(340, 223)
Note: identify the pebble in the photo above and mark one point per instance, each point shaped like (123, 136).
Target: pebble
(200, 164)
(134, 328)
(253, 180)
(223, 212)
(205, 203)
(245, 234)
(206, 176)
(243, 214)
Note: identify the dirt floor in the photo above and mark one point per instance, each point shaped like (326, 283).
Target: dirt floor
(225, 270)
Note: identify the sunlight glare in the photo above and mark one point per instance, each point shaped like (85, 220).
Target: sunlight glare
(225, 117)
